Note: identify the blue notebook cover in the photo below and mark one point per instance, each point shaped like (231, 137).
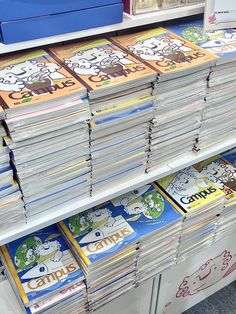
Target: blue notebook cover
(104, 230)
(220, 42)
(230, 156)
(40, 264)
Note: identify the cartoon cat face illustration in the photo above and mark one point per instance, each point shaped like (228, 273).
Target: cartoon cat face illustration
(205, 172)
(181, 183)
(47, 248)
(159, 48)
(9, 82)
(92, 61)
(16, 76)
(136, 207)
(221, 171)
(95, 55)
(81, 65)
(100, 214)
(187, 183)
(145, 52)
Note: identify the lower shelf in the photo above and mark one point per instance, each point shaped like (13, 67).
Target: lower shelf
(177, 289)
(74, 207)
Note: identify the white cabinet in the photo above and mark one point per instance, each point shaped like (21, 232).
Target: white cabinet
(136, 301)
(192, 281)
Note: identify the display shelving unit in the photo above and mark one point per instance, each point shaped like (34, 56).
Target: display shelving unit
(8, 302)
(74, 206)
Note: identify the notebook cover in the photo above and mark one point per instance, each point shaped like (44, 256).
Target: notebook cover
(220, 42)
(100, 64)
(190, 189)
(164, 51)
(222, 173)
(34, 77)
(104, 230)
(40, 264)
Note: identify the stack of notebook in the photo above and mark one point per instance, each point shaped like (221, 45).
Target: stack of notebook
(12, 212)
(201, 201)
(118, 243)
(48, 132)
(105, 245)
(221, 170)
(220, 113)
(44, 274)
(159, 240)
(179, 91)
(227, 176)
(2, 271)
(120, 98)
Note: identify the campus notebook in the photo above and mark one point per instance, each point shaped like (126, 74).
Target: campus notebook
(168, 54)
(35, 78)
(222, 173)
(102, 231)
(220, 42)
(103, 67)
(40, 265)
(192, 190)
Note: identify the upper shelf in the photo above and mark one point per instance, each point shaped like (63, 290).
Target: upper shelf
(128, 22)
(75, 207)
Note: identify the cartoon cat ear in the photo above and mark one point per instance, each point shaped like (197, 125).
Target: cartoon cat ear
(124, 201)
(166, 40)
(80, 53)
(31, 62)
(40, 65)
(108, 51)
(9, 67)
(67, 61)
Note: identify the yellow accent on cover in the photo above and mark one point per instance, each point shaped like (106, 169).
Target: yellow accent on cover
(123, 105)
(15, 276)
(74, 242)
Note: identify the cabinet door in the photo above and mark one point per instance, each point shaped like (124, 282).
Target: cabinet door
(135, 301)
(8, 301)
(201, 275)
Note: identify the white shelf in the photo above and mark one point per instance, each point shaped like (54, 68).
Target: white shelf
(128, 22)
(74, 207)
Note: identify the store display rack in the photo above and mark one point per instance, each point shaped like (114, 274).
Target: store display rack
(128, 22)
(73, 207)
